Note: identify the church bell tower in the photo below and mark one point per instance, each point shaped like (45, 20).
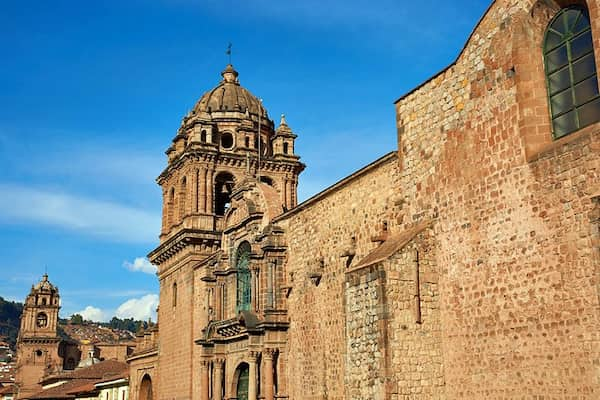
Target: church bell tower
(226, 139)
(38, 341)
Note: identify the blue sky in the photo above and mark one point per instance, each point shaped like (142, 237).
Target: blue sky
(93, 92)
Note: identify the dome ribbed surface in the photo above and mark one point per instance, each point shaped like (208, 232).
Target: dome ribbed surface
(229, 95)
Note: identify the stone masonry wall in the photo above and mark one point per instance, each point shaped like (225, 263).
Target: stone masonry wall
(514, 242)
(415, 366)
(394, 342)
(317, 233)
(365, 376)
(176, 350)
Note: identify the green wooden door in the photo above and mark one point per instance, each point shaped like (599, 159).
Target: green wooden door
(242, 386)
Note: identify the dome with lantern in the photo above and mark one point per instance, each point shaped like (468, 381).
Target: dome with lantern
(228, 96)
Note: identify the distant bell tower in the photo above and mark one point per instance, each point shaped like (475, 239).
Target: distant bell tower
(227, 138)
(38, 342)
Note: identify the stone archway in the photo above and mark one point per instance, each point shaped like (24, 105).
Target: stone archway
(145, 392)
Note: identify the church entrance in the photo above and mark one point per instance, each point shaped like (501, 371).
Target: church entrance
(146, 389)
(242, 384)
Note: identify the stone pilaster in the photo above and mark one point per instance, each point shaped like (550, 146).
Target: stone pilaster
(269, 388)
(202, 190)
(204, 388)
(219, 365)
(252, 387)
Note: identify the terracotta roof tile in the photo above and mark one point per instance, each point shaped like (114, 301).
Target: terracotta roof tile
(65, 391)
(82, 380)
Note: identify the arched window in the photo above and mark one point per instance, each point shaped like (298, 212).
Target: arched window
(243, 379)
(571, 71)
(203, 136)
(285, 148)
(244, 281)
(174, 294)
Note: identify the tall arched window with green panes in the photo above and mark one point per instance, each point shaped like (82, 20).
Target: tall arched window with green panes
(244, 279)
(571, 71)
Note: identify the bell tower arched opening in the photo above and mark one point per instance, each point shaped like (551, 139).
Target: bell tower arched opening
(224, 183)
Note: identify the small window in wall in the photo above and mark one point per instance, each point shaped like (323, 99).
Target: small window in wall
(267, 180)
(244, 281)
(571, 76)
(174, 294)
(247, 142)
(226, 140)
(38, 353)
(44, 301)
(203, 136)
(285, 148)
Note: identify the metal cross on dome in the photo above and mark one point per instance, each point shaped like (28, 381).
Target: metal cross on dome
(228, 52)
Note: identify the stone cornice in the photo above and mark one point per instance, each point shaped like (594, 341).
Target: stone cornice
(276, 163)
(179, 241)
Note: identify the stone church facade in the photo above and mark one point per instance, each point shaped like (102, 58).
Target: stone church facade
(463, 265)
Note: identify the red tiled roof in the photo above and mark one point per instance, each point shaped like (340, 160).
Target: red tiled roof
(82, 380)
(65, 391)
(100, 370)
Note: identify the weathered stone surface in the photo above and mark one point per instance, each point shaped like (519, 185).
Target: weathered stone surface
(463, 266)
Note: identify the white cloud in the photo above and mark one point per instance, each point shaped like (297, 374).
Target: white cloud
(140, 264)
(139, 309)
(93, 314)
(110, 220)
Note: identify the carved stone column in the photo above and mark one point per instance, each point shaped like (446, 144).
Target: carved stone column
(202, 190)
(218, 381)
(196, 179)
(288, 193)
(252, 375)
(204, 392)
(269, 388)
(294, 192)
(255, 288)
(209, 191)
(284, 193)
